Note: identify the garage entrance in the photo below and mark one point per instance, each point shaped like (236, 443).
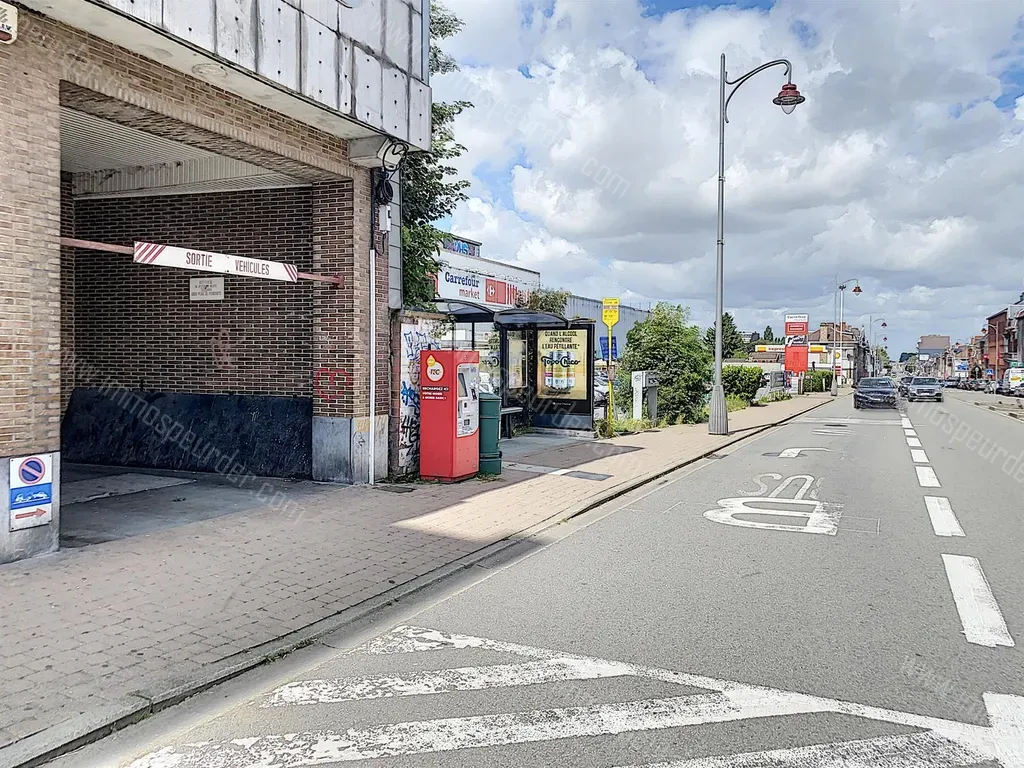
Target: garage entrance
(181, 391)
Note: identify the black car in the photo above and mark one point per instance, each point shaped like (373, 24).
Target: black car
(903, 384)
(924, 388)
(875, 393)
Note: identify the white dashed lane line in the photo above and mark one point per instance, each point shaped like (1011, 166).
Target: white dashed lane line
(913, 442)
(944, 522)
(979, 612)
(926, 477)
(919, 456)
(909, 432)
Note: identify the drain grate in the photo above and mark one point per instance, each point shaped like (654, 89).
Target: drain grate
(837, 425)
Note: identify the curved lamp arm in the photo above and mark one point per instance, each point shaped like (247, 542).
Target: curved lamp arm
(741, 80)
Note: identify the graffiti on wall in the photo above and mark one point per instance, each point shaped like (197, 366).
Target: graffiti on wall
(329, 383)
(417, 335)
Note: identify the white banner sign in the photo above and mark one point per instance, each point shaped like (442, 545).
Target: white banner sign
(205, 261)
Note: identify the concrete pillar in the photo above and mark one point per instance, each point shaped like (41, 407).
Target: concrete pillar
(341, 335)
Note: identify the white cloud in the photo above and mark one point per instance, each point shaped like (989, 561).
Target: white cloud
(600, 170)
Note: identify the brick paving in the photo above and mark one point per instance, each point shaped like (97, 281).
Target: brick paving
(110, 627)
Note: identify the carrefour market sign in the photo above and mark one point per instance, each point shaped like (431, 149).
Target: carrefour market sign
(455, 284)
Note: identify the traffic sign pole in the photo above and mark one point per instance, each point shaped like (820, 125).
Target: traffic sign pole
(610, 315)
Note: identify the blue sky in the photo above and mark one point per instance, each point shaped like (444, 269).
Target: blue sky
(899, 189)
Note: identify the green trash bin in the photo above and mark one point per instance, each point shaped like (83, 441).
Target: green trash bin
(490, 431)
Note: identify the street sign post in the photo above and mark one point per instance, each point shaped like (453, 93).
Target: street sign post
(610, 315)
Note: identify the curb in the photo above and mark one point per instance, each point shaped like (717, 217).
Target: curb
(88, 728)
(1002, 412)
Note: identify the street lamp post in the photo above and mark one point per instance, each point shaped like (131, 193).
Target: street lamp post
(789, 97)
(841, 289)
(871, 340)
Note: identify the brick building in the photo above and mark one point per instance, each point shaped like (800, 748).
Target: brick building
(997, 354)
(252, 129)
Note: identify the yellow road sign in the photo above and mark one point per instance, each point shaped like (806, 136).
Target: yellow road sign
(610, 312)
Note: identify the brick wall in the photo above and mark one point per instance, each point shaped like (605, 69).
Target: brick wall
(29, 252)
(136, 324)
(53, 65)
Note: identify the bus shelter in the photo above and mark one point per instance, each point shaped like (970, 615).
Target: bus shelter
(540, 364)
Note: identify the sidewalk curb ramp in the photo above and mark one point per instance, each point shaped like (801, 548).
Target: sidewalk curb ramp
(85, 729)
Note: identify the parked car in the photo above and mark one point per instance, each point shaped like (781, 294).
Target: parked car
(903, 384)
(875, 393)
(924, 388)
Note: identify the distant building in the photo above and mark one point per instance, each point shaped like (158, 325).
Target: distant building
(749, 337)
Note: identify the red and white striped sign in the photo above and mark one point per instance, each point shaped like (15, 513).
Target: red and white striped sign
(204, 261)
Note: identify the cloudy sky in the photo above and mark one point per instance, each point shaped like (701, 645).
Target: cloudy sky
(593, 153)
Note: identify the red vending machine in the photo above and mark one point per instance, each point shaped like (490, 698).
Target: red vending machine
(449, 414)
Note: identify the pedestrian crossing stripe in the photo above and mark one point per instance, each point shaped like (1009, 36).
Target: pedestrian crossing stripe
(939, 742)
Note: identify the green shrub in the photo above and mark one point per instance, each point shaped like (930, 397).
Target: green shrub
(736, 403)
(818, 381)
(742, 381)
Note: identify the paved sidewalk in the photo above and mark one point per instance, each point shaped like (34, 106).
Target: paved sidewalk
(90, 637)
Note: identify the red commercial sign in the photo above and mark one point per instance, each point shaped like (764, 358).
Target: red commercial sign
(796, 343)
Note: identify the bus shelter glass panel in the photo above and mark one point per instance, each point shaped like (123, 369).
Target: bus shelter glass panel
(487, 341)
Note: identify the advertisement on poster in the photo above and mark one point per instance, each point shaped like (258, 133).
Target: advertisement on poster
(516, 363)
(796, 343)
(562, 362)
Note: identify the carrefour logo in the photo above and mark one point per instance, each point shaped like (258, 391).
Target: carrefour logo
(471, 280)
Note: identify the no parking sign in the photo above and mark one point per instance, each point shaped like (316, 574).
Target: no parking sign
(31, 491)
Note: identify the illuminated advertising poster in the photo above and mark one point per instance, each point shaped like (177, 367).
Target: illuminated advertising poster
(796, 343)
(562, 371)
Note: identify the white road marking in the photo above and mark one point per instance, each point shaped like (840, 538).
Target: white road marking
(454, 733)
(944, 522)
(927, 478)
(832, 431)
(906, 422)
(792, 453)
(979, 612)
(443, 681)
(912, 750)
(909, 433)
(728, 701)
(913, 442)
(919, 456)
(762, 486)
(1006, 716)
(821, 517)
(807, 482)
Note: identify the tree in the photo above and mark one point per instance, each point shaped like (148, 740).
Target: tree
(544, 300)
(769, 336)
(732, 343)
(668, 343)
(430, 190)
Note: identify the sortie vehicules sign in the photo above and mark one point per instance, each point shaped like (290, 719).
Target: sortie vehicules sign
(205, 261)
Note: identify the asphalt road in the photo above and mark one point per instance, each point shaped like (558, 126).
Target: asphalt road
(676, 627)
